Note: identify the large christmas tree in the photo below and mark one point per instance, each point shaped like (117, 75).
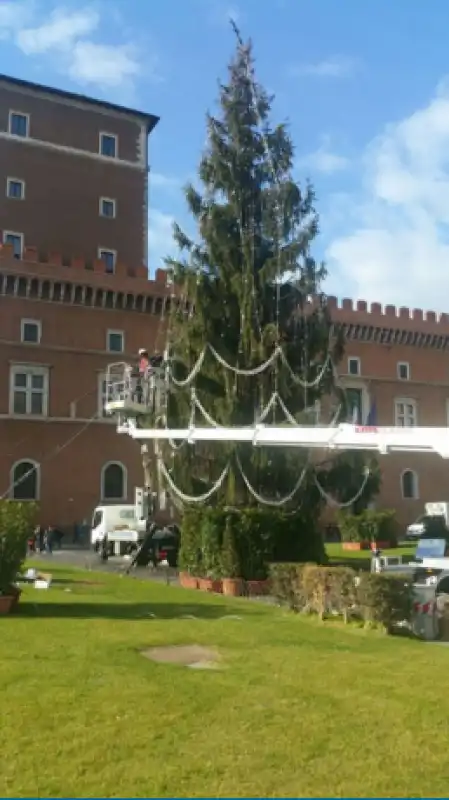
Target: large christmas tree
(244, 286)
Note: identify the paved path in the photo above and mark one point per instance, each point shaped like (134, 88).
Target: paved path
(86, 559)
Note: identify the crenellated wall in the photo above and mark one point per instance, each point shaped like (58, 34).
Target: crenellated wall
(54, 267)
(360, 312)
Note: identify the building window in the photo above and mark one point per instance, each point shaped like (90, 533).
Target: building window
(115, 341)
(405, 413)
(108, 145)
(354, 401)
(403, 371)
(19, 123)
(15, 189)
(114, 482)
(30, 331)
(107, 207)
(16, 239)
(25, 480)
(354, 366)
(109, 257)
(409, 485)
(29, 391)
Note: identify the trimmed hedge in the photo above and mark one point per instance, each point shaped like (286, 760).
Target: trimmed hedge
(376, 599)
(225, 542)
(368, 526)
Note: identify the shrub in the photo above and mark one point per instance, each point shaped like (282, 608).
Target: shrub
(368, 526)
(16, 525)
(379, 599)
(285, 579)
(254, 538)
(385, 599)
(211, 540)
(229, 557)
(314, 588)
(190, 550)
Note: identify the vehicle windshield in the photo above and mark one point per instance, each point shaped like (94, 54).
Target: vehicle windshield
(98, 516)
(434, 527)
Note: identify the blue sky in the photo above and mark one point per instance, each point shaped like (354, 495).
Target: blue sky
(364, 85)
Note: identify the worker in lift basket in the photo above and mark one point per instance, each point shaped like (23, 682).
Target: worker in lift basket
(137, 376)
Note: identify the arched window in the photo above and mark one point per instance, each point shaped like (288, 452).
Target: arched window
(25, 480)
(409, 485)
(114, 481)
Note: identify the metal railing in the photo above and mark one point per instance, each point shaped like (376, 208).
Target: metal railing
(126, 386)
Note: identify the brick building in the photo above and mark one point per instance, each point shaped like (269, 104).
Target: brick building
(59, 329)
(73, 175)
(74, 293)
(396, 369)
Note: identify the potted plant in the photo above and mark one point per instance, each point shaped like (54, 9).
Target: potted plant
(16, 522)
(210, 580)
(232, 582)
(189, 552)
(188, 581)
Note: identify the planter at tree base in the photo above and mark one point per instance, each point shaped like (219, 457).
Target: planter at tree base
(188, 581)
(356, 545)
(232, 587)
(15, 593)
(257, 588)
(7, 603)
(210, 585)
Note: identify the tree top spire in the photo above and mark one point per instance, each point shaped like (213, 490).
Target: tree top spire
(236, 30)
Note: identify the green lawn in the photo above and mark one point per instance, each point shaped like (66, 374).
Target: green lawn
(299, 708)
(362, 558)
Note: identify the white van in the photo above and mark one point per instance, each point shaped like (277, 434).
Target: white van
(119, 525)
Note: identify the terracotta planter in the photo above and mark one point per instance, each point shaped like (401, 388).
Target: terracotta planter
(356, 545)
(210, 585)
(257, 588)
(188, 581)
(232, 587)
(15, 593)
(380, 545)
(7, 602)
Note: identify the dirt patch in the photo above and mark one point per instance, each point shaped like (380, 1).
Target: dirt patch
(190, 655)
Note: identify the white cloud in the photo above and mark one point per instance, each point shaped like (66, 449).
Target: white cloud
(13, 15)
(160, 181)
(104, 65)
(160, 238)
(70, 39)
(324, 159)
(398, 250)
(335, 67)
(59, 32)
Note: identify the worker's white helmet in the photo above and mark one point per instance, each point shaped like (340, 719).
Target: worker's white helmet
(142, 351)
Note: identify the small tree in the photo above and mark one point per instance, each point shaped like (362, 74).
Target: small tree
(16, 525)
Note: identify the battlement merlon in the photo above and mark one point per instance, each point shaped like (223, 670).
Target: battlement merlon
(54, 266)
(360, 312)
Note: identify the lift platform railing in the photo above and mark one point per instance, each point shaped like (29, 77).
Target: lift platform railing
(130, 392)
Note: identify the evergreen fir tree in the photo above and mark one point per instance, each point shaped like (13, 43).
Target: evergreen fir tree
(243, 287)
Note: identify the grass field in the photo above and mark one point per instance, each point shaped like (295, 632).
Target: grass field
(362, 558)
(298, 708)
